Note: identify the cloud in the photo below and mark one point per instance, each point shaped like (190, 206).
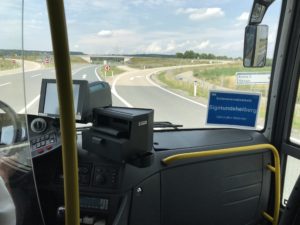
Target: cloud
(171, 46)
(203, 45)
(154, 47)
(114, 33)
(201, 13)
(243, 17)
(105, 33)
(233, 46)
(155, 2)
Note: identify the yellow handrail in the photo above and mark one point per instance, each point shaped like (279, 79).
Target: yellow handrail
(66, 107)
(276, 169)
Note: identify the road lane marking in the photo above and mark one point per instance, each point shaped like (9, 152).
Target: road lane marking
(29, 104)
(79, 69)
(1, 85)
(170, 92)
(84, 76)
(132, 78)
(113, 89)
(97, 75)
(36, 75)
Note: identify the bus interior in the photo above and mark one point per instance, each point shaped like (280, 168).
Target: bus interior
(103, 147)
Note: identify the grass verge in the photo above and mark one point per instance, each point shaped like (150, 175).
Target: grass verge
(215, 77)
(7, 64)
(114, 70)
(153, 62)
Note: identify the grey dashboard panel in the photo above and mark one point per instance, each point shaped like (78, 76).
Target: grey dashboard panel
(199, 138)
(224, 191)
(195, 191)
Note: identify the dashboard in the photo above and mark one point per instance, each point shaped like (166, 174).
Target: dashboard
(121, 193)
(99, 179)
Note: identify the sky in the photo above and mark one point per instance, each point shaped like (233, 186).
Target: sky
(137, 26)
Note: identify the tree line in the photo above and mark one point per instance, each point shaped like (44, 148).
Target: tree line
(194, 55)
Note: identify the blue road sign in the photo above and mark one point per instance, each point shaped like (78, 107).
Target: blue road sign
(233, 108)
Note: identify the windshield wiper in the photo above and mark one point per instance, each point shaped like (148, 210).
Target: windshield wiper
(166, 124)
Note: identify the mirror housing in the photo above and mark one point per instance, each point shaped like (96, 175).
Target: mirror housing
(258, 11)
(255, 45)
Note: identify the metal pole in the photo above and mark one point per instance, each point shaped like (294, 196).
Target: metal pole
(66, 105)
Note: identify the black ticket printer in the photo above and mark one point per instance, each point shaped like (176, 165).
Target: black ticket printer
(121, 134)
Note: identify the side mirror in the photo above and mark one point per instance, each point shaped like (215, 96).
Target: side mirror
(258, 11)
(255, 45)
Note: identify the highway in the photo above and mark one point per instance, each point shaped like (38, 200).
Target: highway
(137, 89)
(132, 89)
(12, 86)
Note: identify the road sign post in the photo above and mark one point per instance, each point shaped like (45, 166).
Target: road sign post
(106, 69)
(251, 78)
(195, 88)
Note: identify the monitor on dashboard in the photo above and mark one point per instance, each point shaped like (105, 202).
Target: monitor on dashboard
(49, 105)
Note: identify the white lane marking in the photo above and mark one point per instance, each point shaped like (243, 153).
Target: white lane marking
(113, 90)
(84, 76)
(36, 75)
(1, 85)
(29, 104)
(115, 93)
(132, 78)
(170, 92)
(97, 75)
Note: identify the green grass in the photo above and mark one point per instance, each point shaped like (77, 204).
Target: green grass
(113, 69)
(153, 62)
(77, 60)
(215, 75)
(7, 64)
(225, 70)
(175, 84)
(296, 119)
(39, 59)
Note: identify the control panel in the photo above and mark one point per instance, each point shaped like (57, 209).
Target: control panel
(98, 176)
(43, 143)
(44, 134)
(106, 176)
(95, 203)
(84, 172)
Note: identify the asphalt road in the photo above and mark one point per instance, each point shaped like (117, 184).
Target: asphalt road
(13, 92)
(133, 89)
(138, 90)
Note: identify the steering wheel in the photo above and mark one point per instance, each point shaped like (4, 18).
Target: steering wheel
(10, 119)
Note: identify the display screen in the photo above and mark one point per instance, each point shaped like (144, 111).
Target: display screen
(51, 105)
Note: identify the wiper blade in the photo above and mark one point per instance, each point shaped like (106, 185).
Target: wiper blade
(166, 124)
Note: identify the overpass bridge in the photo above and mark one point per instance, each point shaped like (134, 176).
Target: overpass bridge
(106, 59)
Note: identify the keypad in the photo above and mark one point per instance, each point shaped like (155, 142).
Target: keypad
(43, 143)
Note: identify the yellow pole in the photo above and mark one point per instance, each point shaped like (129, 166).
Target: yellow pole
(275, 169)
(67, 118)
